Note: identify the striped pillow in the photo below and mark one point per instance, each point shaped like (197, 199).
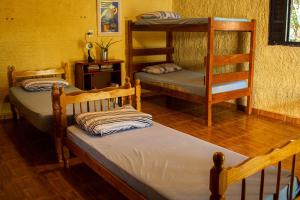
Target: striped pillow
(109, 122)
(159, 15)
(162, 68)
(42, 84)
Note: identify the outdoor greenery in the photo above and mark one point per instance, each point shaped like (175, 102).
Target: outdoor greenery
(295, 21)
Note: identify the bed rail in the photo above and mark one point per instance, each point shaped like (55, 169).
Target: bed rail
(14, 76)
(221, 178)
(89, 101)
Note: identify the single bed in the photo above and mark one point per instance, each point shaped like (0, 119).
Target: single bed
(237, 84)
(35, 107)
(162, 163)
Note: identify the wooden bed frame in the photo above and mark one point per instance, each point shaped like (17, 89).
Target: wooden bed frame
(220, 177)
(13, 80)
(211, 60)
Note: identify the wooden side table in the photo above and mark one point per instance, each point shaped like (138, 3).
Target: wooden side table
(97, 74)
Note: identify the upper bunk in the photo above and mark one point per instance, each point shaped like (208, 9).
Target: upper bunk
(193, 24)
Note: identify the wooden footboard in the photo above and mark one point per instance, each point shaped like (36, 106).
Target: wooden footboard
(221, 178)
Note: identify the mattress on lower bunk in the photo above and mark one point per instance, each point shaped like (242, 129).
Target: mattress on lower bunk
(36, 106)
(187, 21)
(187, 81)
(163, 163)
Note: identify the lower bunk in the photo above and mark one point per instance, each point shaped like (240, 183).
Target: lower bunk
(161, 163)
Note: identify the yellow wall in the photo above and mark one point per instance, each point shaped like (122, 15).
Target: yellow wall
(277, 68)
(44, 33)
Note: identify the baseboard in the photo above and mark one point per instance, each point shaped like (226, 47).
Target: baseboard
(272, 115)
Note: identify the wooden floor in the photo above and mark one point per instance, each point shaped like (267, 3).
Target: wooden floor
(27, 159)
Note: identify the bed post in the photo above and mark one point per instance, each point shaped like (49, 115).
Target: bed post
(57, 124)
(129, 46)
(251, 67)
(215, 184)
(209, 70)
(12, 82)
(138, 94)
(169, 43)
(66, 68)
(127, 85)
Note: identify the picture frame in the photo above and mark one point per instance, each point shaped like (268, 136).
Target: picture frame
(109, 17)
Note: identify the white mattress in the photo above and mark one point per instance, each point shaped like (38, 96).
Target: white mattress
(187, 21)
(162, 163)
(188, 81)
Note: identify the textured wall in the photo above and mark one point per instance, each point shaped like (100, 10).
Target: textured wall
(277, 68)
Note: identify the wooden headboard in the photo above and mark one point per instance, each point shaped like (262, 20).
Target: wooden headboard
(14, 76)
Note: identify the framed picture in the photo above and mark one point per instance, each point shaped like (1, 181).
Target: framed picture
(109, 17)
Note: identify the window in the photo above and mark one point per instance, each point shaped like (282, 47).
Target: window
(284, 26)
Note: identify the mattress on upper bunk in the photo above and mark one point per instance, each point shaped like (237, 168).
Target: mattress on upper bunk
(187, 21)
(163, 163)
(187, 81)
(36, 106)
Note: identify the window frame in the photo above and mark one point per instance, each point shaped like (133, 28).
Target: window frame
(285, 40)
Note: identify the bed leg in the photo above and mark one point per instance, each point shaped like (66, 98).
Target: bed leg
(209, 113)
(249, 105)
(66, 157)
(59, 153)
(14, 112)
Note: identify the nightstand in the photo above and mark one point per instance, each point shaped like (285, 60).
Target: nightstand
(97, 74)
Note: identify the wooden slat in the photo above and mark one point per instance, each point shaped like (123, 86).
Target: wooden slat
(233, 26)
(216, 98)
(74, 109)
(101, 105)
(95, 106)
(292, 177)
(81, 109)
(276, 195)
(152, 51)
(88, 106)
(231, 59)
(243, 195)
(262, 184)
(108, 104)
(230, 77)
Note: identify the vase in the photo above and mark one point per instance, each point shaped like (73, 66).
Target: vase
(104, 54)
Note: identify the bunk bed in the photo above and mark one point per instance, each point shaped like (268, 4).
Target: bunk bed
(209, 88)
(143, 163)
(35, 107)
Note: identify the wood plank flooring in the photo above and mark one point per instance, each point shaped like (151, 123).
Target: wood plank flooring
(27, 158)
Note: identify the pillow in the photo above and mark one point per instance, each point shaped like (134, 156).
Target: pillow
(108, 122)
(42, 84)
(159, 15)
(162, 68)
